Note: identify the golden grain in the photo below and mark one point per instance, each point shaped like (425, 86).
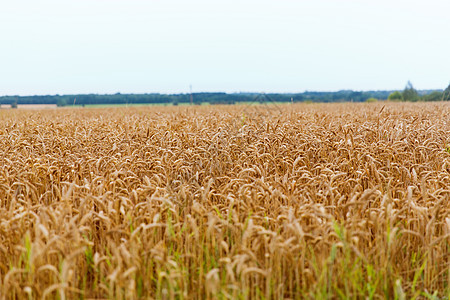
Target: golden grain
(313, 201)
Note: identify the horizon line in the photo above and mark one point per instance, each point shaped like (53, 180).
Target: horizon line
(212, 92)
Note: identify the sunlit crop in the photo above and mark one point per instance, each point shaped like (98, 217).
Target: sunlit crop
(225, 202)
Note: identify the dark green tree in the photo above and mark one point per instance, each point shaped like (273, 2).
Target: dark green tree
(446, 94)
(410, 93)
(14, 103)
(61, 102)
(434, 96)
(395, 96)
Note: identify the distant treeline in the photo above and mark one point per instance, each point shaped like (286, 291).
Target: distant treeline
(197, 98)
(409, 94)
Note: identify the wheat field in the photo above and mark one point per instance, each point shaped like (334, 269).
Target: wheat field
(302, 201)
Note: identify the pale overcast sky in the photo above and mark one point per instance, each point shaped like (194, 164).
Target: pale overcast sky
(137, 46)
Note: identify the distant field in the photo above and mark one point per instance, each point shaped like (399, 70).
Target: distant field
(316, 201)
(32, 106)
(125, 105)
(170, 104)
(37, 106)
(54, 106)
